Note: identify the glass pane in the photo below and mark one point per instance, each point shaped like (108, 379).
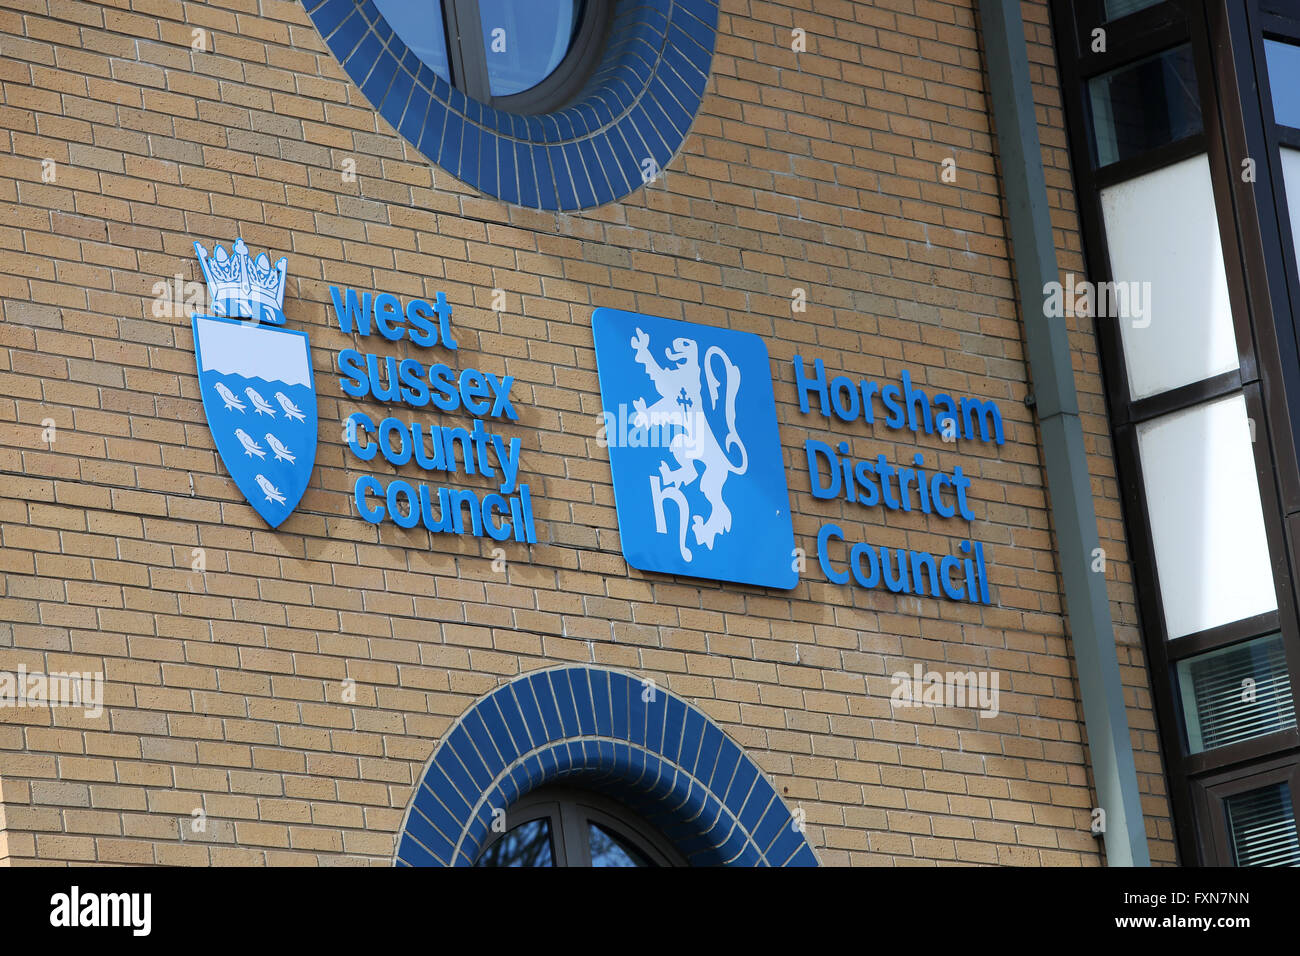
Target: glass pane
(610, 849)
(1291, 180)
(1261, 825)
(1122, 8)
(1284, 79)
(1206, 520)
(419, 24)
(528, 844)
(1143, 105)
(525, 42)
(1236, 693)
(1174, 319)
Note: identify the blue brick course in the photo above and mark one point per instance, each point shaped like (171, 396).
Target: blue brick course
(588, 725)
(637, 105)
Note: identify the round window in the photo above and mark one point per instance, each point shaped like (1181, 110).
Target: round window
(550, 104)
(520, 57)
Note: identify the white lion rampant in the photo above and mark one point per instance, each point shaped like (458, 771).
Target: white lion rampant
(680, 389)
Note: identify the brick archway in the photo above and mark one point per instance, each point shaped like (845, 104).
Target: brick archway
(610, 732)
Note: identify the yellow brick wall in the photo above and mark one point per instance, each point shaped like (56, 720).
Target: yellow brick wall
(818, 170)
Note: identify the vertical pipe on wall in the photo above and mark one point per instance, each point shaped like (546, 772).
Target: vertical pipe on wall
(1073, 517)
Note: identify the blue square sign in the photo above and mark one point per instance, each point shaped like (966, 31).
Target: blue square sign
(690, 423)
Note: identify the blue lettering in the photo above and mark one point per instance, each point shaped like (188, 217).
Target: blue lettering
(411, 517)
(403, 454)
(388, 308)
(855, 565)
(351, 363)
(415, 390)
(359, 424)
(473, 387)
(420, 315)
(824, 536)
(492, 506)
(365, 484)
(945, 571)
(445, 397)
(831, 487)
(890, 396)
(990, 419)
(443, 308)
(501, 396)
(350, 313)
(816, 384)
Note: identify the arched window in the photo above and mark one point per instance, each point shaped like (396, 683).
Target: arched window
(556, 826)
(521, 56)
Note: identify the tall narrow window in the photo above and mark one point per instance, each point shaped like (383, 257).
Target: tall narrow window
(1236, 693)
(1163, 233)
(1143, 105)
(1262, 826)
(1180, 305)
(1207, 525)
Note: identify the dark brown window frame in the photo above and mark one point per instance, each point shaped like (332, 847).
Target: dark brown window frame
(568, 809)
(1253, 278)
(467, 58)
(1211, 793)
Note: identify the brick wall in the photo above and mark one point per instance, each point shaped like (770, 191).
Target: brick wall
(225, 687)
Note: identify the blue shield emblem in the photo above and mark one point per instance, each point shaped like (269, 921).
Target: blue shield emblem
(690, 424)
(258, 391)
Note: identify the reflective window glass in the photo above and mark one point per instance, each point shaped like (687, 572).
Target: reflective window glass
(1236, 693)
(1261, 826)
(1144, 105)
(1122, 8)
(1284, 79)
(1291, 181)
(525, 42)
(528, 844)
(419, 24)
(610, 849)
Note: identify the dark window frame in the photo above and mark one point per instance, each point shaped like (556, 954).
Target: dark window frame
(1215, 46)
(569, 809)
(467, 58)
(1212, 793)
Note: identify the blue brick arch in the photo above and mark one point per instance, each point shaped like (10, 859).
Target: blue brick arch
(638, 104)
(590, 727)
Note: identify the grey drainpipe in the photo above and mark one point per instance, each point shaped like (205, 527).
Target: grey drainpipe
(1073, 517)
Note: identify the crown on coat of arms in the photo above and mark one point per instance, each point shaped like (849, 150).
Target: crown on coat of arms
(243, 287)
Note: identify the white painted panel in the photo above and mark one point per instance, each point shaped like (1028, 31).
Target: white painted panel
(1164, 238)
(1206, 518)
(253, 351)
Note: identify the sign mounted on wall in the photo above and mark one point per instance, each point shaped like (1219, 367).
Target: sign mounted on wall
(503, 508)
(699, 481)
(690, 423)
(256, 381)
(902, 486)
(259, 396)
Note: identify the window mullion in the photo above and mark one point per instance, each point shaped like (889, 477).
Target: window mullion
(576, 840)
(465, 43)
